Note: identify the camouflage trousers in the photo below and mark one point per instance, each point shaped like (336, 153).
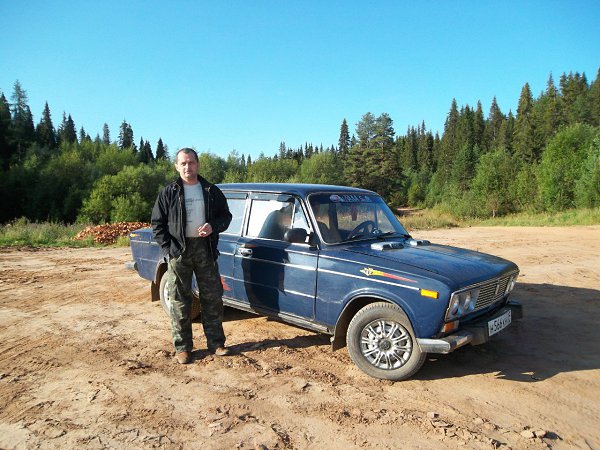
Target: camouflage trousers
(196, 259)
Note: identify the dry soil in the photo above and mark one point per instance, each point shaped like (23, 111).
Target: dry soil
(86, 362)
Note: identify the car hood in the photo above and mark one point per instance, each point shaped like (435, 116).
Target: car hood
(460, 265)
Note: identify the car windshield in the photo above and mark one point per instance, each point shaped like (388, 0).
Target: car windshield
(343, 217)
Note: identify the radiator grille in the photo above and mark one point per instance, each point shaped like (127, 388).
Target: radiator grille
(491, 291)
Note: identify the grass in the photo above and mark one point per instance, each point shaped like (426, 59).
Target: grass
(427, 219)
(23, 233)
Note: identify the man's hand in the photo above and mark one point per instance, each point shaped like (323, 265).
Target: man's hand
(205, 230)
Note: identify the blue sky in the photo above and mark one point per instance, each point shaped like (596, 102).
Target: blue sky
(247, 75)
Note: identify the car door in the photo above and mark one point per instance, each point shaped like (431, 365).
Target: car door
(228, 241)
(273, 275)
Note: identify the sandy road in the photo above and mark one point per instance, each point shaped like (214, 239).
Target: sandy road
(86, 362)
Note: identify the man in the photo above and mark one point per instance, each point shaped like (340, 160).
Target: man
(187, 217)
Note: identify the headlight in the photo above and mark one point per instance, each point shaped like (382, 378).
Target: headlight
(462, 304)
(511, 284)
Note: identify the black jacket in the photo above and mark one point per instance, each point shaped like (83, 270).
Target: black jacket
(169, 217)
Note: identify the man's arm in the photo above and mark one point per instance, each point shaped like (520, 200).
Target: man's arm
(160, 225)
(222, 216)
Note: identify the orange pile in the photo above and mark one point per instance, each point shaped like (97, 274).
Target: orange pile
(108, 234)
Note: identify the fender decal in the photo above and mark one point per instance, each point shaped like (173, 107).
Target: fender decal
(369, 271)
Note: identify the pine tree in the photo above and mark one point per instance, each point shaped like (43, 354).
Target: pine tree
(344, 141)
(105, 134)
(524, 145)
(160, 150)
(478, 127)
(282, 150)
(6, 149)
(66, 131)
(126, 137)
(548, 114)
(45, 134)
(448, 148)
(425, 148)
(22, 129)
(83, 136)
(594, 98)
(493, 126)
(142, 155)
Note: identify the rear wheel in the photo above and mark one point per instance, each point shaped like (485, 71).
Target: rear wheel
(166, 302)
(382, 343)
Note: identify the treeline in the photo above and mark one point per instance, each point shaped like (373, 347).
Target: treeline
(543, 157)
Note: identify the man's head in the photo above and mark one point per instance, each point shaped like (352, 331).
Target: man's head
(186, 163)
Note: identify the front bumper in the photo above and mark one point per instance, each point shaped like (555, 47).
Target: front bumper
(473, 333)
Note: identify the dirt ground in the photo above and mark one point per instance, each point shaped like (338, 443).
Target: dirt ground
(86, 362)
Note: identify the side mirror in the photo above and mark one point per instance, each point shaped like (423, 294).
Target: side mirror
(295, 235)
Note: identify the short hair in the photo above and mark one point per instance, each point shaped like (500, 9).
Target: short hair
(187, 151)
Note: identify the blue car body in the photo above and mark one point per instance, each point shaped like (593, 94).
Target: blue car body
(433, 298)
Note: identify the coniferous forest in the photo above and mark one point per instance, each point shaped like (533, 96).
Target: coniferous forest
(545, 156)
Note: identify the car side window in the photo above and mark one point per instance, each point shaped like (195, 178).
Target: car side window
(237, 206)
(270, 218)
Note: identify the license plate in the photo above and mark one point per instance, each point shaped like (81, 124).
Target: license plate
(499, 323)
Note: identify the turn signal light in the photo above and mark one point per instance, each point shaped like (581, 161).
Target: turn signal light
(430, 294)
(450, 326)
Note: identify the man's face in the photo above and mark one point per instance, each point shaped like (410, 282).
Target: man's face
(187, 166)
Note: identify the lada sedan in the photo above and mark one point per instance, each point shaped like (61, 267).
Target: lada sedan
(336, 260)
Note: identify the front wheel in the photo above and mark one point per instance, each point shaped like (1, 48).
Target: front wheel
(382, 343)
(165, 301)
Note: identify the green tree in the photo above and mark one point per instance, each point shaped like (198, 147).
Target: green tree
(127, 195)
(322, 168)
(344, 141)
(6, 149)
(126, 137)
(268, 170)
(449, 145)
(63, 183)
(548, 113)
(524, 144)
(594, 99)
(212, 167)
(66, 130)
(236, 168)
(575, 100)
(22, 129)
(561, 166)
(106, 134)
(111, 160)
(161, 151)
(587, 187)
(45, 133)
(463, 169)
(490, 185)
(493, 127)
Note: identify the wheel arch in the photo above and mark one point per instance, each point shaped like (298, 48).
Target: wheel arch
(161, 268)
(338, 340)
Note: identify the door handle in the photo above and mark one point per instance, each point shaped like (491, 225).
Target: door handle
(245, 251)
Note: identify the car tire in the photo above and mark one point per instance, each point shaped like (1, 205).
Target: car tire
(166, 303)
(382, 343)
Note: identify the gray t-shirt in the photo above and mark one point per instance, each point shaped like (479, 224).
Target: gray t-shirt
(194, 208)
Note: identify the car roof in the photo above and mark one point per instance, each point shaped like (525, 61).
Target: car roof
(300, 189)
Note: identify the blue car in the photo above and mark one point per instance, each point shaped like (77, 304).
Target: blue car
(336, 260)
